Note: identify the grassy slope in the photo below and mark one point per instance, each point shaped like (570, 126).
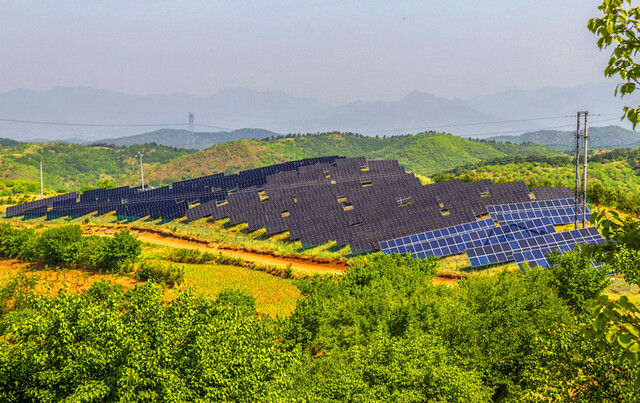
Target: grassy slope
(72, 166)
(423, 154)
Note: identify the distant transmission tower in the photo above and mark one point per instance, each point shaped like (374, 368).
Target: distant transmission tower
(191, 134)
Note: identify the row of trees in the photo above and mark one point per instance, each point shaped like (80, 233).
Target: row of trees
(65, 245)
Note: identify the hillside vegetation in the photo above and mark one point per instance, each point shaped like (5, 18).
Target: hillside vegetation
(73, 166)
(424, 154)
(601, 137)
(181, 138)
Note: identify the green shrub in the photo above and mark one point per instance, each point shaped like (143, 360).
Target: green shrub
(18, 243)
(627, 261)
(117, 254)
(193, 256)
(170, 275)
(237, 299)
(575, 278)
(61, 244)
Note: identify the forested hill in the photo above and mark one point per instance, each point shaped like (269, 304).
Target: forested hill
(180, 138)
(601, 137)
(424, 154)
(72, 166)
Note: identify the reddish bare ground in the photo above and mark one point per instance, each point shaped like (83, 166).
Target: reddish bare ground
(178, 241)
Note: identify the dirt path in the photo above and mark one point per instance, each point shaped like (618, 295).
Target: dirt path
(265, 259)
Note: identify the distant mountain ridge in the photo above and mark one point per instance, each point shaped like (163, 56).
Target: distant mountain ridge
(281, 113)
(608, 136)
(181, 138)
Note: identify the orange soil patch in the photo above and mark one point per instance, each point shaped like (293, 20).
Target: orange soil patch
(331, 267)
(52, 280)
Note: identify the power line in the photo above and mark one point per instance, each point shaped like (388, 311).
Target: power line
(34, 122)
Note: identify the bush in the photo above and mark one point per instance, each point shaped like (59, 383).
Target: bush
(16, 243)
(61, 244)
(627, 261)
(194, 256)
(117, 254)
(170, 275)
(575, 278)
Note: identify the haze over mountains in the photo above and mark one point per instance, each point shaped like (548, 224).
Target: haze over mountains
(234, 108)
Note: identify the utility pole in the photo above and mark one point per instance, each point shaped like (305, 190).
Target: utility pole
(191, 134)
(41, 182)
(141, 170)
(584, 171)
(579, 114)
(575, 221)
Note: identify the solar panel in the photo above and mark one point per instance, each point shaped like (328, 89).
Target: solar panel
(411, 240)
(552, 193)
(459, 243)
(533, 249)
(559, 211)
(536, 252)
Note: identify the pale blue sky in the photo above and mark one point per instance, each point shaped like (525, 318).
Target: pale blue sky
(333, 51)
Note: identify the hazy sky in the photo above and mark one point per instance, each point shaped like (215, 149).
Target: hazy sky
(333, 51)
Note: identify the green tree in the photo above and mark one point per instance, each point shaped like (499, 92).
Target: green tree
(61, 244)
(619, 27)
(575, 278)
(117, 254)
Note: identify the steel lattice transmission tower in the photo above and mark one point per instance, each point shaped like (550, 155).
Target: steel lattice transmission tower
(191, 134)
(584, 134)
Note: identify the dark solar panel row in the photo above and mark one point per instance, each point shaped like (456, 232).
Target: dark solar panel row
(358, 203)
(552, 193)
(166, 202)
(20, 209)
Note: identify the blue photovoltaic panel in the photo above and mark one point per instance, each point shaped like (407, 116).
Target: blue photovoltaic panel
(436, 234)
(490, 254)
(459, 243)
(559, 211)
(533, 249)
(532, 205)
(557, 216)
(536, 253)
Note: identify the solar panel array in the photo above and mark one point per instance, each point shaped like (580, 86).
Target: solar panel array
(168, 202)
(526, 232)
(368, 205)
(489, 234)
(552, 193)
(358, 203)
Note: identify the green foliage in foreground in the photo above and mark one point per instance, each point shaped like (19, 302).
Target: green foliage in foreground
(384, 332)
(106, 345)
(65, 245)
